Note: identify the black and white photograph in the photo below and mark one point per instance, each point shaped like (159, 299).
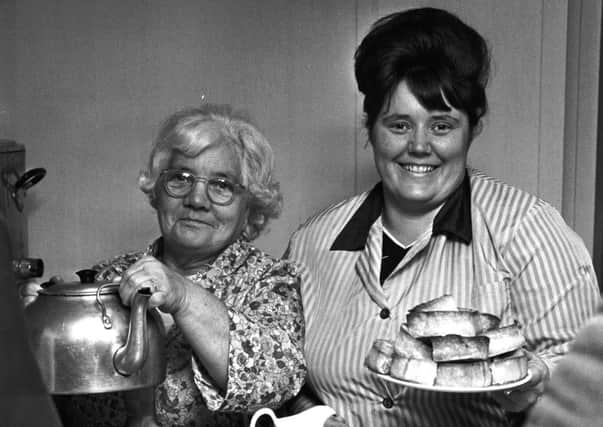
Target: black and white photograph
(296, 213)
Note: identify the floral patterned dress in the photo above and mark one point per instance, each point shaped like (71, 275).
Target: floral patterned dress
(266, 364)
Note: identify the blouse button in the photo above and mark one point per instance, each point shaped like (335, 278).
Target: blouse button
(388, 402)
(384, 314)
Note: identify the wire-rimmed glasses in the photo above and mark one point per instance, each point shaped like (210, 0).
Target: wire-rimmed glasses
(179, 183)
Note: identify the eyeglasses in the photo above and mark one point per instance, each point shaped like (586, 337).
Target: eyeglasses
(178, 183)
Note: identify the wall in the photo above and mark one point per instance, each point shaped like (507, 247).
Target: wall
(93, 79)
(7, 68)
(582, 110)
(12, 155)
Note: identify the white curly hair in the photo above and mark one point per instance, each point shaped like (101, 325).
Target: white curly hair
(183, 132)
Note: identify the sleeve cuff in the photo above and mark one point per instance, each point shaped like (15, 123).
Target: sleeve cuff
(212, 396)
(254, 381)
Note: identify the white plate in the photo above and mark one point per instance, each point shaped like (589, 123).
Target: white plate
(448, 389)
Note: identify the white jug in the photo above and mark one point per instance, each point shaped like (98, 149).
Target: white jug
(313, 417)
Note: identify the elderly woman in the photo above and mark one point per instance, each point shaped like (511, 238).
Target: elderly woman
(432, 226)
(235, 325)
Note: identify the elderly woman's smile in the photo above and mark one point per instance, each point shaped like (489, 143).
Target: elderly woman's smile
(197, 222)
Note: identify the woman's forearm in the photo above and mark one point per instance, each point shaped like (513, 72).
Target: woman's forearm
(204, 322)
(266, 330)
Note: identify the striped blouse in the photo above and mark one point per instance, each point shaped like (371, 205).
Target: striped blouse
(495, 248)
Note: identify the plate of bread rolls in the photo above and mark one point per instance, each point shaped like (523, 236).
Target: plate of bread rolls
(442, 347)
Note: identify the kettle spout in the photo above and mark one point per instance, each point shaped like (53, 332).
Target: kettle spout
(129, 358)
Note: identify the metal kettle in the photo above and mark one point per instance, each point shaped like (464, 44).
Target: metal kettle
(86, 341)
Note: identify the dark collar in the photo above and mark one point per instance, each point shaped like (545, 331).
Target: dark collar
(453, 220)
(156, 248)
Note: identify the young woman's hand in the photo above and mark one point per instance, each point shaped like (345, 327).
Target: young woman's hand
(524, 397)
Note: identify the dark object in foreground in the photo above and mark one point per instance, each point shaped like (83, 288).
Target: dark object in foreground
(23, 397)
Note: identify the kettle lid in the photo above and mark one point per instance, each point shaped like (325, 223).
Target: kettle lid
(86, 286)
(79, 289)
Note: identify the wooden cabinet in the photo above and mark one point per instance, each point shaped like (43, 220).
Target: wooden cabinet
(12, 165)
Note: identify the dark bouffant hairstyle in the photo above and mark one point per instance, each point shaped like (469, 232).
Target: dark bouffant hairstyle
(439, 56)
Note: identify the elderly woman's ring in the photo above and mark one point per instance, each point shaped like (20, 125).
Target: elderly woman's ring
(150, 285)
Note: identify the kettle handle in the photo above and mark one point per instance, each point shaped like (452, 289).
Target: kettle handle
(264, 411)
(131, 356)
(106, 319)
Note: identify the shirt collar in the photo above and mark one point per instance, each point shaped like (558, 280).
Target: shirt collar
(230, 258)
(453, 220)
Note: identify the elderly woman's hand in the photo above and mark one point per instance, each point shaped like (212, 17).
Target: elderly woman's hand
(169, 288)
(524, 397)
(28, 289)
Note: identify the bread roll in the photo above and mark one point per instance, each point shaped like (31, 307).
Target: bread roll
(509, 368)
(504, 340)
(464, 374)
(408, 346)
(440, 323)
(379, 358)
(444, 303)
(488, 321)
(456, 348)
(421, 371)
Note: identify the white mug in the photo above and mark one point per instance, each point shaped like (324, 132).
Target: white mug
(313, 417)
